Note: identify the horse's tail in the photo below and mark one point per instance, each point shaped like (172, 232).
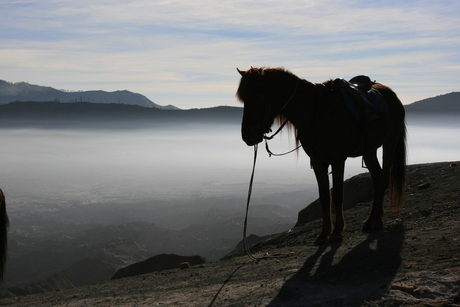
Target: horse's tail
(398, 173)
(4, 224)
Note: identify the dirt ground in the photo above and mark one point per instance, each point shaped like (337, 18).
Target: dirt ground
(414, 261)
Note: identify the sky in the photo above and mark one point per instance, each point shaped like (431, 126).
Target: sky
(185, 53)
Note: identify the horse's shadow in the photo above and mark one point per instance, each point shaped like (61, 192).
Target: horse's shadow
(362, 274)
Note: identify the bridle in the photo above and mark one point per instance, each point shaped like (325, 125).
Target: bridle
(281, 110)
(267, 138)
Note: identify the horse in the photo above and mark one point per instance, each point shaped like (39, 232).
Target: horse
(329, 134)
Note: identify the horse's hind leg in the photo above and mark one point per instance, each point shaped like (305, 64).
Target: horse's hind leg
(375, 220)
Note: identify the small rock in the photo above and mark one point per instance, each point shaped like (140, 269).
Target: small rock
(185, 265)
(405, 288)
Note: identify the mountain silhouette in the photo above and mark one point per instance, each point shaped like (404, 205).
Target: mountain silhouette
(23, 91)
(84, 114)
(447, 103)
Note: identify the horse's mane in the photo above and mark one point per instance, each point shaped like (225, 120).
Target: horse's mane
(260, 76)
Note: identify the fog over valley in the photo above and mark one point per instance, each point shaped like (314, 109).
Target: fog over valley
(89, 165)
(141, 163)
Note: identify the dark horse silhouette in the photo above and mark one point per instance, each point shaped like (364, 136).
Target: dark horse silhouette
(4, 224)
(329, 134)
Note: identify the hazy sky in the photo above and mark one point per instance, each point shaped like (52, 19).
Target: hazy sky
(185, 52)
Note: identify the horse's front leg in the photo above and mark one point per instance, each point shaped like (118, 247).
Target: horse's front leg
(337, 197)
(322, 178)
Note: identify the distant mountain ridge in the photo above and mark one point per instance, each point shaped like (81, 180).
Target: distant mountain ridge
(447, 103)
(22, 91)
(91, 115)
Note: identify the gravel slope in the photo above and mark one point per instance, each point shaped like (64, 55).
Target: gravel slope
(414, 261)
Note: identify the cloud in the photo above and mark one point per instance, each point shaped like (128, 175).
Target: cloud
(165, 49)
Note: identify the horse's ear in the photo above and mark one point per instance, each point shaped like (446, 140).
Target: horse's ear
(242, 72)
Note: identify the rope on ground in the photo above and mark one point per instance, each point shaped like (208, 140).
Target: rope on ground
(245, 239)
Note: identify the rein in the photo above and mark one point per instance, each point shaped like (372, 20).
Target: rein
(270, 153)
(266, 138)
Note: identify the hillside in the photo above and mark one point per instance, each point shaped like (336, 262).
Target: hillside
(80, 114)
(414, 261)
(61, 246)
(447, 103)
(23, 91)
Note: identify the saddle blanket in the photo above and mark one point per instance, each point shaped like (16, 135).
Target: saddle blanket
(363, 104)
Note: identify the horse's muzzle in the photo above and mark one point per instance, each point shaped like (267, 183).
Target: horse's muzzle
(252, 136)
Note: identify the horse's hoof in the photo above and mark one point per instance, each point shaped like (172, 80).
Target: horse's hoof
(321, 241)
(335, 238)
(373, 226)
(367, 227)
(377, 225)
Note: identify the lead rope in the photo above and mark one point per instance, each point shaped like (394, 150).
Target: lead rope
(245, 239)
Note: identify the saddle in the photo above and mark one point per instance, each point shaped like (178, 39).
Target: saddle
(361, 82)
(363, 102)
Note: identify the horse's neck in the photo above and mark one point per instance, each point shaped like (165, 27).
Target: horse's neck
(301, 109)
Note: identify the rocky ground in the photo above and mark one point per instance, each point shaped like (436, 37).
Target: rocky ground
(414, 261)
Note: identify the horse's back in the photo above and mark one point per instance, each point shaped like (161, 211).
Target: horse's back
(394, 104)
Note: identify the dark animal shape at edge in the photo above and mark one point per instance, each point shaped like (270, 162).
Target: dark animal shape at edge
(329, 135)
(157, 263)
(4, 224)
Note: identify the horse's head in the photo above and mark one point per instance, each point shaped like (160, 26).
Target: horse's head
(259, 113)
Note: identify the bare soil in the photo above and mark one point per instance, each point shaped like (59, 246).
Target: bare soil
(414, 261)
